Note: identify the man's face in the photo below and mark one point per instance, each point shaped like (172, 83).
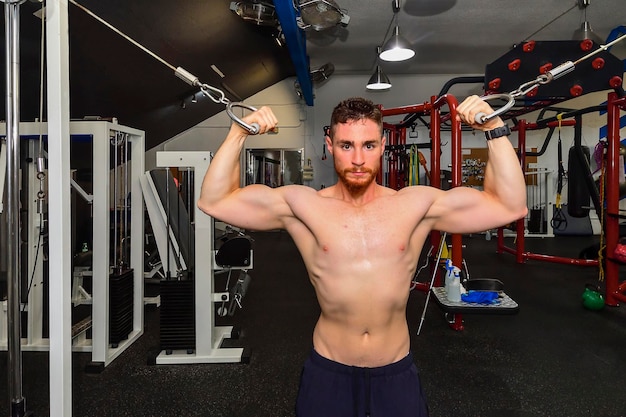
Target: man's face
(356, 147)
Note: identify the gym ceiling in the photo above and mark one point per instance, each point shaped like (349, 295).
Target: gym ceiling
(111, 77)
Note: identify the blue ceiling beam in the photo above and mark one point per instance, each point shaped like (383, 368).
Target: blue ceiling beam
(296, 43)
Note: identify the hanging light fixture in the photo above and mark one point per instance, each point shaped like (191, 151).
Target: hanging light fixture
(396, 48)
(379, 80)
(585, 31)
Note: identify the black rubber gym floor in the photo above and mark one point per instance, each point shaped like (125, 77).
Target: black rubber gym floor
(553, 358)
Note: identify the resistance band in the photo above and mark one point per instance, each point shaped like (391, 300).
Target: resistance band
(559, 221)
(425, 166)
(414, 168)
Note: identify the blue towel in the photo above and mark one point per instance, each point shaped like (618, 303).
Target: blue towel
(480, 297)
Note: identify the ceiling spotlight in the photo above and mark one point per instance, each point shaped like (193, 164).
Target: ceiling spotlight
(321, 14)
(322, 74)
(261, 13)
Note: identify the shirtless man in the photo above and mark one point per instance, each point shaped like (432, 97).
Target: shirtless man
(361, 244)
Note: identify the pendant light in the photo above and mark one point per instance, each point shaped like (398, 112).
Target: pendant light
(585, 31)
(396, 48)
(379, 80)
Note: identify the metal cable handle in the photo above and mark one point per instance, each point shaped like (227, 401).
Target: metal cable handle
(252, 128)
(482, 118)
(522, 90)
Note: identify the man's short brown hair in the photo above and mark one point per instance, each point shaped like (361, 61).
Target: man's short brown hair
(355, 108)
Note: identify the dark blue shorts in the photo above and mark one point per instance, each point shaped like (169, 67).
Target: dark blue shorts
(331, 389)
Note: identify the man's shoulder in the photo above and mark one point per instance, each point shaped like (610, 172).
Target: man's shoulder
(418, 196)
(297, 191)
(327, 191)
(421, 190)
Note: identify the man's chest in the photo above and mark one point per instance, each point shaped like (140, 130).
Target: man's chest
(360, 233)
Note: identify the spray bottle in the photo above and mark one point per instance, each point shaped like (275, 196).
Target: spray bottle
(454, 288)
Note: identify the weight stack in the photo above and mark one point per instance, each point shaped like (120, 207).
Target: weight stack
(177, 315)
(121, 295)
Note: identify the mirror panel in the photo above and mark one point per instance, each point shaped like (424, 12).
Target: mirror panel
(274, 167)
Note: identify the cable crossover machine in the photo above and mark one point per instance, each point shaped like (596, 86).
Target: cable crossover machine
(114, 262)
(182, 246)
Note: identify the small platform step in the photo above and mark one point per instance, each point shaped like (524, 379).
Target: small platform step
(506, 305)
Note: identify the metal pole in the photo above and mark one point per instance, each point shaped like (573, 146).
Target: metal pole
(59, 213)
(11, 13)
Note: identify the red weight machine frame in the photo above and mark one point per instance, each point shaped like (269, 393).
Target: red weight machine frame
(615, 292)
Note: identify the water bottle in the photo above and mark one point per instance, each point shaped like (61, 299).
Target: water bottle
(454, 289)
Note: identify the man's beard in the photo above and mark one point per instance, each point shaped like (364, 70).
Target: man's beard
(356, 186)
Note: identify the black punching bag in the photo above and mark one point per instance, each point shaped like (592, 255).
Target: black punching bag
(578, 197)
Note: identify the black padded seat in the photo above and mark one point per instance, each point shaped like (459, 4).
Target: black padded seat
(234, 252)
